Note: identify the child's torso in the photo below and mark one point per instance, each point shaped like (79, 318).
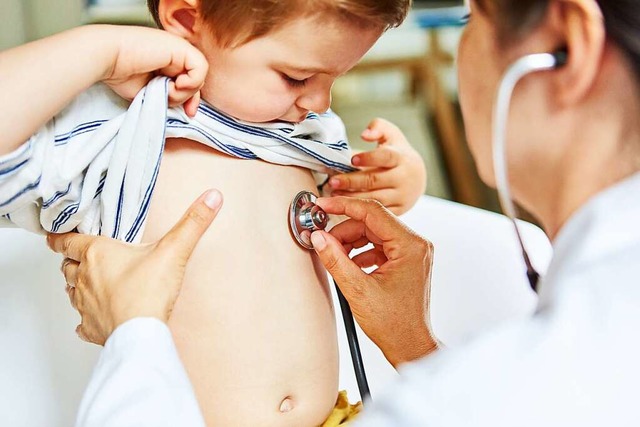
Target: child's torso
(254, 324)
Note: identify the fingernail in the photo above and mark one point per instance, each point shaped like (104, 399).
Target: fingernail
(318, 241)
(213, 199)
(356, 160)
(334, 183)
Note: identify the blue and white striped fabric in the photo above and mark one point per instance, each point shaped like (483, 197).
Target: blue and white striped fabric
(94, 166)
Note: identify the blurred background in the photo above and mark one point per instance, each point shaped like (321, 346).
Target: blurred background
(409, 78)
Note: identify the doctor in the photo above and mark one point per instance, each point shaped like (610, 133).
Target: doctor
(574, 160)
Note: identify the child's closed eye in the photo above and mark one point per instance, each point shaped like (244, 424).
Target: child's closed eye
(293, 82)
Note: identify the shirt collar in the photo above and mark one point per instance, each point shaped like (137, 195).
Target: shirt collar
(605, 225)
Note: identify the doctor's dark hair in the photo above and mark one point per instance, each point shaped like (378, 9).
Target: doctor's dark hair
(236, 22)
(515, 18)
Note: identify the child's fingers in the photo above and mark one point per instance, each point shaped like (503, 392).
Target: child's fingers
(362, 181)
(382, 131)
(180, 97)
(177, 97)
(194, 72)
(379, 158)
(371, 135)
(191, 106)
(187, 82)
(188, 69)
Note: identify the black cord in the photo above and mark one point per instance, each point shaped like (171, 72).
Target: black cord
(320, 187)
(354, 346)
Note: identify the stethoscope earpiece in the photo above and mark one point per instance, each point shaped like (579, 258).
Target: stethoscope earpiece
(561, 58)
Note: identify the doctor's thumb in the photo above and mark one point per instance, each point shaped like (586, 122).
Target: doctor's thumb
(332, 255)
(182, 239)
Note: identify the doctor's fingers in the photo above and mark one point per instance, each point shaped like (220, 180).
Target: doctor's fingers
(347, 274)
(71, 292)
(354, 234)
(185, 235)
(69, 269)
(387, 197)
(81, 333)
(372, 258)
(89, 334)
(377, 219)
(70, 245)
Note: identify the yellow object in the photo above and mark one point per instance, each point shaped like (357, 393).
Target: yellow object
(343, 413)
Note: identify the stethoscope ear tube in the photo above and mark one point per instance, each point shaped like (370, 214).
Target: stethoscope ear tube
(522, 67)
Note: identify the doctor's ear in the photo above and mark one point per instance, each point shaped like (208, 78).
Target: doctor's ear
(581, 26)
(179, 17)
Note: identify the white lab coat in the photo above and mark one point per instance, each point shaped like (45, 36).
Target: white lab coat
(139, 381)
(576, 362)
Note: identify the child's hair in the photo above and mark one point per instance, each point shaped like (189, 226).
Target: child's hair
(236, 22)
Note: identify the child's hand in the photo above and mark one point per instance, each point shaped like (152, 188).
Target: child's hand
(393, 173)
(143, 53)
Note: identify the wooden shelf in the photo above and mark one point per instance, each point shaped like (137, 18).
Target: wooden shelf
(127, 15)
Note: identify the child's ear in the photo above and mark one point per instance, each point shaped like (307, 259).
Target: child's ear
(179, 17)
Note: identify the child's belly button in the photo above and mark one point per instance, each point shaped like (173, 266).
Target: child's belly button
(286, 405)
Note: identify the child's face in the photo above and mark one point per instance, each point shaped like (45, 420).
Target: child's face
(287, 73)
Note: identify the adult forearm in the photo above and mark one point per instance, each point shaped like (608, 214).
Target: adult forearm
(39, 79)
(414, 343)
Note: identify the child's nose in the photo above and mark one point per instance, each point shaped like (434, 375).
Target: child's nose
(317, 101)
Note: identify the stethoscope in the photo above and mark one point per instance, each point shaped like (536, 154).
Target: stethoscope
(305, 217)
(518, 70)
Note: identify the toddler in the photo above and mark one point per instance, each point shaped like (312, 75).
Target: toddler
(254, 324)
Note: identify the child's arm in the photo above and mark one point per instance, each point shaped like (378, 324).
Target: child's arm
(39, 79)
(394, 173)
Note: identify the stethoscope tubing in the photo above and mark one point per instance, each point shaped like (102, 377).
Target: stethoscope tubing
(519, 69)
(354, 345)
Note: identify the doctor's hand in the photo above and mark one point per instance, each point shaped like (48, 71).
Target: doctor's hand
(110, 282)
(393, 173)
(392, 303)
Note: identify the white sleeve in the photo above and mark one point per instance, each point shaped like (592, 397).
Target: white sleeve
(511, 376)
(139, 381)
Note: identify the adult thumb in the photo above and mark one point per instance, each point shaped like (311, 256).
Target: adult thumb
(346, 273)
(185, 235)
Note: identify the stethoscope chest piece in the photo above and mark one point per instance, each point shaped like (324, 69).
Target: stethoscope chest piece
(305, 217)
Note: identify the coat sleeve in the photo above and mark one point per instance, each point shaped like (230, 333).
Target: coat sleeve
(139, 381)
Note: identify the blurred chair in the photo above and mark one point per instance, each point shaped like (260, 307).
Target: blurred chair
(416, 49)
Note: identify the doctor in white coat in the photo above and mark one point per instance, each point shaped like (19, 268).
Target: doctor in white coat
(574, 157)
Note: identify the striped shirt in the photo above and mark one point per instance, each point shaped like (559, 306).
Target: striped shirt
(94, 166)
